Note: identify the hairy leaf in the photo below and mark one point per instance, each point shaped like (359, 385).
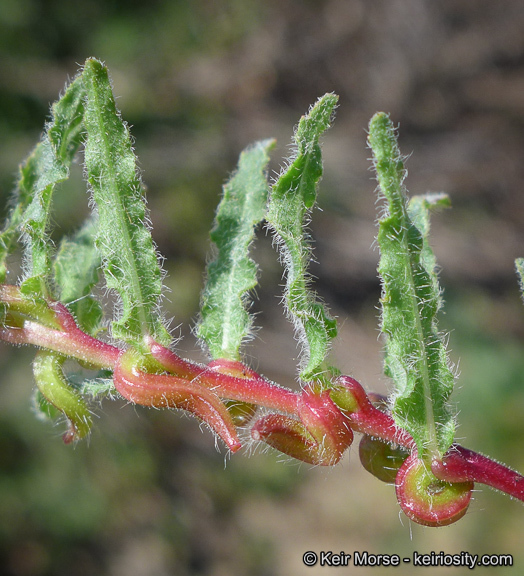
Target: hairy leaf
(416, 358)
(225, 322)
(130, 261)
(76, 273)
(42, 171)
(519, 266)
(292, 197)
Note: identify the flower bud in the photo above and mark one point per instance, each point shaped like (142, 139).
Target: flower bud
(381, 459)
(320, 437)
(427, 500)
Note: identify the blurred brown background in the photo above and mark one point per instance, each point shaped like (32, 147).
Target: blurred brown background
(149, 495)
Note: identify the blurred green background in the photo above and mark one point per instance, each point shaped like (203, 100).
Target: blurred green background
(149, 494)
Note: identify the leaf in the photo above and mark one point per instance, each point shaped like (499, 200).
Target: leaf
(225, 322)
(94, 388)
(42, 171)
(76, 273)
(130, 261)
(519, 267)
(416, 357)
(291, 199)
(98, 387)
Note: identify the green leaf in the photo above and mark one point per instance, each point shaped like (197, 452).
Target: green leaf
(76, 273)
(225, 322)
(519, 266)
(292, 197)
(98, 387)
(130, 261)
(95, 387)
(416, 357)
(42, 171)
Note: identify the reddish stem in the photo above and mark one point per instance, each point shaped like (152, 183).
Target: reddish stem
(368, 419)
(462, 465)
(166, 391)
(199, 389)
(73, 343)
(251, 387)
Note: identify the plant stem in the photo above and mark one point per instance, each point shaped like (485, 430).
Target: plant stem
(461, 465)
(202, 389)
